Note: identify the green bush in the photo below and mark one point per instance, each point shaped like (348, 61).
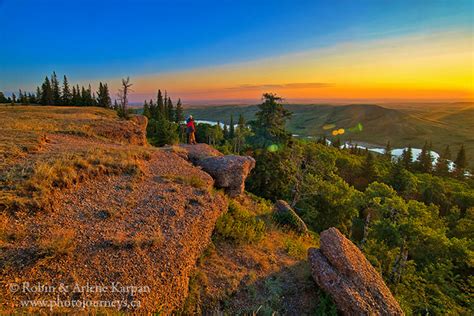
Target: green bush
(239, 226)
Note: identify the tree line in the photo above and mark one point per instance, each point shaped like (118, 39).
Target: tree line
(50, 92)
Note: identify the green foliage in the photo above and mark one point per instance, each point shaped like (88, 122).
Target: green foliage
(269, 125)
(162, 132)
(326, 306)
(239, 225)
(209, 134)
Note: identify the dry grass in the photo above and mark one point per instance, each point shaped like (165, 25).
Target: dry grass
(31, 169)
(141, 239)
(61, 242)
(191, 180)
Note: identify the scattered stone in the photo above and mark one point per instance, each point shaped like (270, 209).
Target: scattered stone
(342, 270)
(285, 215)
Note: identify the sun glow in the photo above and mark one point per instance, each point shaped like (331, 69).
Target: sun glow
(433, 66)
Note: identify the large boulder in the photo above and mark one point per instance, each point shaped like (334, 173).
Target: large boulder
(285, 215)
(342, 270)
(229, 172)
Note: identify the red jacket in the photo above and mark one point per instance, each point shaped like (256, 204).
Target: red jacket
(190, 126)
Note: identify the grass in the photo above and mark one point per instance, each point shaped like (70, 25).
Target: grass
(139, 240)
(192, 180)
(60, 243)
(29, 172)
(239, 225)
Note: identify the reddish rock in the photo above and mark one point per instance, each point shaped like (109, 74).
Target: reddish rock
(342, 270)
(229, 172)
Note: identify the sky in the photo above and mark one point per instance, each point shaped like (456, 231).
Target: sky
(233, 51)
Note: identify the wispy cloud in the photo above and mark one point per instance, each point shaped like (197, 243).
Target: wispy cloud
(295, 85)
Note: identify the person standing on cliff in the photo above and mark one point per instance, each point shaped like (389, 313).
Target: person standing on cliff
(191, 129)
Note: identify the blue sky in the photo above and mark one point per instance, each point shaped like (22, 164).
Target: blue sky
(91, 40)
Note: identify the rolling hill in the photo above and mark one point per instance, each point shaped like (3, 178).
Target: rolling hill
(412, 124)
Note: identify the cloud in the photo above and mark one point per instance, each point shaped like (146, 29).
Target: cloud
(295, 85)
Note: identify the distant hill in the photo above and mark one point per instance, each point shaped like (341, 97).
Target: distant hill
(451, 124)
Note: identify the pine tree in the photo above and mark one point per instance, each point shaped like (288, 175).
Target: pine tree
(388, 151)
(3, 99)
(21, 98)
(66, 95)
(407, 158)
(442, 165)
(153, 109)
(231, 127)
(170, 110)
(179, 113)
(103, 97)
(424, 161)
(47, 93)
(460, 162)
(241, 122)
(39, 93)
(13, 99)
(160, 106)
(146, 110)
(368, 168)
(56, 94)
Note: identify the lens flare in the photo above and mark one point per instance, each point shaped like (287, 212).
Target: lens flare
(272, 148)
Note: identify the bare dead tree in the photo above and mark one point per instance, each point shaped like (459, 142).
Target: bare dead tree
(123, 97)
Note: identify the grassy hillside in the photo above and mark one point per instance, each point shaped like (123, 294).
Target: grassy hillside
(448, 124)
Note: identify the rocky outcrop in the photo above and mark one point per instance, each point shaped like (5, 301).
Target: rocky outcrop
(285, 215)
(132, 131)
(342, 270)
(229, 172)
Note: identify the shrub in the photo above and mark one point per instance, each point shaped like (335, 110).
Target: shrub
(239, 226)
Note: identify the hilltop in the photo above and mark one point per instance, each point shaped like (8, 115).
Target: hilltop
(85, 201)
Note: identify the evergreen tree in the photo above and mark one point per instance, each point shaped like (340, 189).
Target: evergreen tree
(269, 125)
(442, 165)
(170, 110)
(424, 162)
(153, 109)
(47, 92)
(231, 127)
(84, 97)
(21, 98)
(103, 97)
(66, 95)
(3, 99)
(461, 162)
(146, 110)
(56, 94)
(160, 106)
(388, 151)
(13, 99)
(368, 168)
(407, 158)
(31, 98)
(179, 113)
(39, 94)
(241, 122)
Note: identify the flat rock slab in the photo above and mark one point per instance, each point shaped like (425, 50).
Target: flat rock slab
(342, 270)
